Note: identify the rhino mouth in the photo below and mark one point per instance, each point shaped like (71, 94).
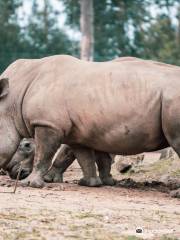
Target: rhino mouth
(14, 170)
(23, 174)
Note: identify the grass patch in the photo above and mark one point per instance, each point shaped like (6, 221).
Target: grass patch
(176, 173)
(161, 166)
(21, 235)
(165, 237)
(132, 238)
(84, 215)
(12, 216)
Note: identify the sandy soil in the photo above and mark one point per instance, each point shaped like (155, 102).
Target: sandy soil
(69, 211)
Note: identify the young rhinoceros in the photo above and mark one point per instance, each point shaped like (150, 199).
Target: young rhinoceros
(25, 154)
(120, 107)
(24, 157)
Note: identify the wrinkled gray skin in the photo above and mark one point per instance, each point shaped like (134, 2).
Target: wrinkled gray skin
(25, 154)
(119, 107)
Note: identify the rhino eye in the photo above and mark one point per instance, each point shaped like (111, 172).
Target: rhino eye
(27, 145)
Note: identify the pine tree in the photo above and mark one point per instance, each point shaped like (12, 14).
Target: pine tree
(10, 40)
(45, 37)
(113, 20)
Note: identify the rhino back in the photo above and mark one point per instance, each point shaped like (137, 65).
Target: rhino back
(114, 107)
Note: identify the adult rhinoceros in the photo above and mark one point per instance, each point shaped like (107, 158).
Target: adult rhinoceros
(120, 107)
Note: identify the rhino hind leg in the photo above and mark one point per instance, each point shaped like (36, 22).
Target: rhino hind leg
(171, 123)
(86, 159)
(175, 144)
(47, 142)
(171, 128)
(104, 162)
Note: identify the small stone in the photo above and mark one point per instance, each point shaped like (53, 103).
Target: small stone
(175, 193)
(139, 230)
(8, 185)
(172, 183)
(124, 167)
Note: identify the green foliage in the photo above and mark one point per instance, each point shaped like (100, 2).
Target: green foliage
(41, 36)
(121, 28)
(45, 37)
(161, 41)
(126, 27)
(112, 19)
(10, 32)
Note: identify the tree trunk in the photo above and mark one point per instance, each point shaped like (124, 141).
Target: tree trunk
(46, 23)
(178, 28)
(86, 24)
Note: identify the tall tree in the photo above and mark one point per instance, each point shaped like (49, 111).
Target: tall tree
(178, 27)
(160, 41)
(10, 40)
(44, 35)
(114, 20)
(87, 29)
(162, 38)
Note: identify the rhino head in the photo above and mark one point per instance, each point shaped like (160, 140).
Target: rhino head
(23, 158)
(10, 138)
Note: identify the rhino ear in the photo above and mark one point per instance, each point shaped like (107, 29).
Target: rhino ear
(4, 87)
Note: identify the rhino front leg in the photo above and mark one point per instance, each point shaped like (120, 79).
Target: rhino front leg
(86, 159)
(63, 160)
(104, 162)
(47, 142)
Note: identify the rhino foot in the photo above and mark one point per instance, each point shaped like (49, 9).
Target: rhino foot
(109, 181)
(34, 181)
(90, 182)
(54, 176)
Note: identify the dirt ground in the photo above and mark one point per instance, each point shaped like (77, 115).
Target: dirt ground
(69, 211)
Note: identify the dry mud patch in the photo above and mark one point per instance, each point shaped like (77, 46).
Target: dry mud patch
(68, 211)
